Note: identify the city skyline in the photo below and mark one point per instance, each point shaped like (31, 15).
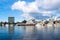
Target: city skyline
(27, 9)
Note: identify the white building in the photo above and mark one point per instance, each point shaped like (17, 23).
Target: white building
(31, 21)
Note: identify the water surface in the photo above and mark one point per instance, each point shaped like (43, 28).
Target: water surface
(29, 33)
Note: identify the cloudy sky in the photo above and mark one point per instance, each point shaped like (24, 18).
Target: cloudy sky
(29, 9)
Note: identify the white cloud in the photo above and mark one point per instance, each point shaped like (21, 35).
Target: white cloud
(25, 7)
(47, 13)
(27, 16)
(48, 4)
(39, 6)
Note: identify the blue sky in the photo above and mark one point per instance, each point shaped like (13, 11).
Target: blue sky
(6, 11)
(27, 9)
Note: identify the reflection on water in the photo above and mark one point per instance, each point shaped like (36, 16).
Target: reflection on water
(29, 33)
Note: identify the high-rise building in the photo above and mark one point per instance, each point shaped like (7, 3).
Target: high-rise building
(11, 19)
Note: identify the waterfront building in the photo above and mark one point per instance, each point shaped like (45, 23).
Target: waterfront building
(11, 19)
(31, 21)
(50, 24)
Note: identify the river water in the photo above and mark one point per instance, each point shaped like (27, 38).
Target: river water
(29, 33)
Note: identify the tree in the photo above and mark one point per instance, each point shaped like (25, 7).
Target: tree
(46, 22)
(24, 21)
